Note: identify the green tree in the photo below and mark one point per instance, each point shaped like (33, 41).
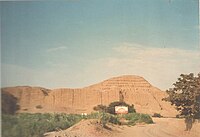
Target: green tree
(185, 95)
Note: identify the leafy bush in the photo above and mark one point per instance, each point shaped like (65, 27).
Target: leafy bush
(114, 119)
(134, 118)
(35, 125)
(185, 95)
(93, 115)
(104, 119)
(145, 118)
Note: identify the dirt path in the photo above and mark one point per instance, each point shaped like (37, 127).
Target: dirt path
(163, 127)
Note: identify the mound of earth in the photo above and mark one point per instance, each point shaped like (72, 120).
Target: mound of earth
(162, 127)
(85, 128)
(134, 90)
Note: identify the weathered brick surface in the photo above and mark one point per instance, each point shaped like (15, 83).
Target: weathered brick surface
(135, 90)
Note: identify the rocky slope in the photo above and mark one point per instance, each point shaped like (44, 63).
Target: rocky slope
(134, 89)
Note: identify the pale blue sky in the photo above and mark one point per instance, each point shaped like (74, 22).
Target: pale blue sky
(76, 43)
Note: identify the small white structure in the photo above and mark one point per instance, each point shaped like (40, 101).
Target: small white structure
(84, 114)
(121, 109)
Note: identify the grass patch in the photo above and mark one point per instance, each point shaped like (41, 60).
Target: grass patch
(134, 118)
(35, 125)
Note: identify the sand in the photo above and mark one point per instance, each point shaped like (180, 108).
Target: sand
(162, 127)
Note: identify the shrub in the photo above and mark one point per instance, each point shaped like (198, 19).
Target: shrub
(35, 125)
(109, 118)
(145, 118)
(100, 108)
(93, 115)
(114, 119)
(157, 115)
(134, 118)
(104, 119)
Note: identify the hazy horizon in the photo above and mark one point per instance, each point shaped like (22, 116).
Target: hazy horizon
(75, 44)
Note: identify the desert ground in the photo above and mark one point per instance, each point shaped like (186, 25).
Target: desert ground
(162, 127)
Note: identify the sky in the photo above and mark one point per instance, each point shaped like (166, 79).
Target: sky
(77, 43)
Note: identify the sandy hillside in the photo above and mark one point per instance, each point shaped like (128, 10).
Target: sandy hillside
(134, 90)
(86, 128)
(163, 127)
